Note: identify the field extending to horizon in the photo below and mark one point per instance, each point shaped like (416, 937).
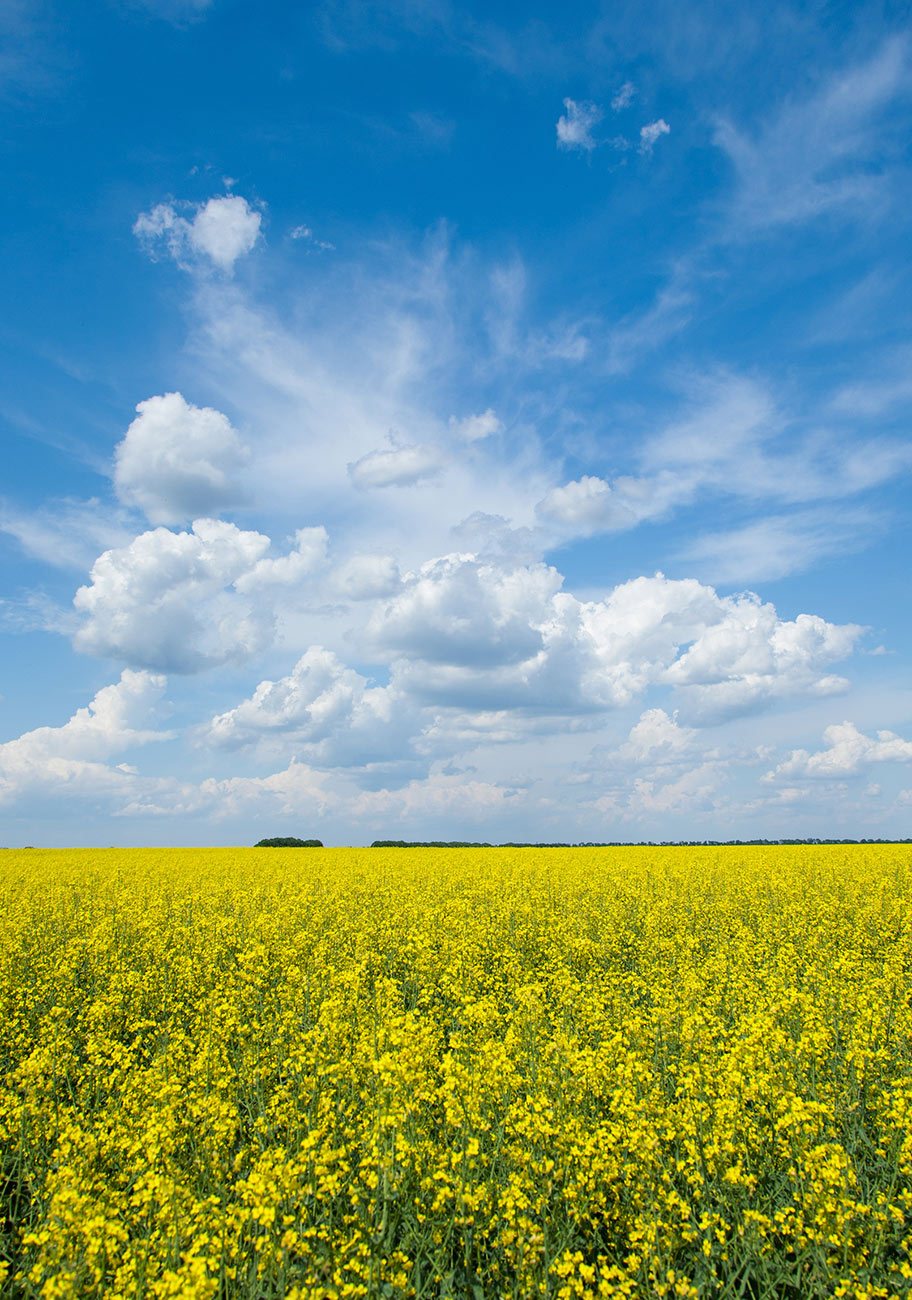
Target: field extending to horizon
(456, 1073)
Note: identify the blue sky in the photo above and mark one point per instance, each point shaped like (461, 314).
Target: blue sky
(428, 420)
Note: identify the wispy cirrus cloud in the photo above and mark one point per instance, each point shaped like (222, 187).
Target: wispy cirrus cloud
(828, 152)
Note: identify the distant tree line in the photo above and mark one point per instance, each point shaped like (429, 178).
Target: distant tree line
(615, 844)
(288, 842)
(292, 842)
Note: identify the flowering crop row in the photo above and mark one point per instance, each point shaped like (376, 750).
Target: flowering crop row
(456, 1073)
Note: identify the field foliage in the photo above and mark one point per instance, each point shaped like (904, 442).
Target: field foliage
(456, 1073)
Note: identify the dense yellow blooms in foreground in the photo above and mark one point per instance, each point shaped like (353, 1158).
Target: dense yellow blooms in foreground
(479, 1073)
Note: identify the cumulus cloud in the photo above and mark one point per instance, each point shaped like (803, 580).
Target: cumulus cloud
(695, 790)
(295, 791)
(178, 461)
(587, 505)
(306, 556)
(220, 231)
(70, 759)
(324, 707)
(439, 793)
(656, 737)
(455, 610)
(181, 602)
(301, 791)
(475, 427)
(848, 751)
(788, 664)
(574, 128)
(485, 636)
(395, 468)
(651, 132)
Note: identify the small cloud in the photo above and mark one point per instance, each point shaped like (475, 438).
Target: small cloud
(307, 236)
(221, 231)
(475, 427)
(587, 504)
(651, 132)
(574, 128)
(397, 468)
(623, 97)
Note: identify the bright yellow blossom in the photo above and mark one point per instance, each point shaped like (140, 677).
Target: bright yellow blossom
(482, 1073)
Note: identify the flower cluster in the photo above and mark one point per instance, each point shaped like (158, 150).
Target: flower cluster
(456, 1073)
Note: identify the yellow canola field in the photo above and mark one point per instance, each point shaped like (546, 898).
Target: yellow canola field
(456, 1073)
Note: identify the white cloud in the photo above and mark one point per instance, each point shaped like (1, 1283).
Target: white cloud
(574, 128)
(178, 461)
(221, 231)
(306, 557)
(438, 793)
(396, 468)
(475, 427)
(185, 601)
(623, 97)
(736, 441)
(69, 759)
(656, 738)
(325, 707)
(296, 791)
(695, 791)
(367, 577)
(651, 132)
(848, 751)
(307, 236)
(587, 505)
(493, 538)
(308, 703)
(478, 635)
(454, 610)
